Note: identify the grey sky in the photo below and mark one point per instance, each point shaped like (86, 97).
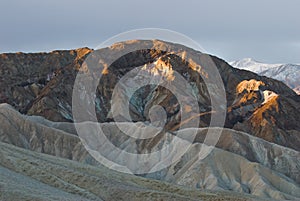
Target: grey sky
(267, 30)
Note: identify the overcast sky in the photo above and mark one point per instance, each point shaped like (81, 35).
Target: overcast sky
(266, 30)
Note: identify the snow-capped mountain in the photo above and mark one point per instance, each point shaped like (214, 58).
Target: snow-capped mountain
(252, 65)
(287, 73)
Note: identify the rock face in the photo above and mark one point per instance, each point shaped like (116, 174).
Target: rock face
(256, 166)
(41, 84)
(26, 80)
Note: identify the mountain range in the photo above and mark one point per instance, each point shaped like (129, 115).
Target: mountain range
(287, 73)
(256, 157)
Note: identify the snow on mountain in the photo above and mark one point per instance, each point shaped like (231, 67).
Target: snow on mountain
(252, 65)
(287, 73)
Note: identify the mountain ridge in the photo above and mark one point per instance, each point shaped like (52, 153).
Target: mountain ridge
(287, 73)
(261, 139)
(45, 88)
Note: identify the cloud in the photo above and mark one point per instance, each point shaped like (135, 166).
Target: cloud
(238, 26)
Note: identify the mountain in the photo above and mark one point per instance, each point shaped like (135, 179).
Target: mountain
(252, 65)
(42, 84)
(287, 73)
(257, 153)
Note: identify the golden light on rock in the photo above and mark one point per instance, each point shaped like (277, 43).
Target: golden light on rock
(196, 67)
(249, 85)
(161, 68)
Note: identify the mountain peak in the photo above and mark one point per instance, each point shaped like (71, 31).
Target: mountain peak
(244, 62)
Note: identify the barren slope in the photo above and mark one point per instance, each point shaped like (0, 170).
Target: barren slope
(256, 166)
